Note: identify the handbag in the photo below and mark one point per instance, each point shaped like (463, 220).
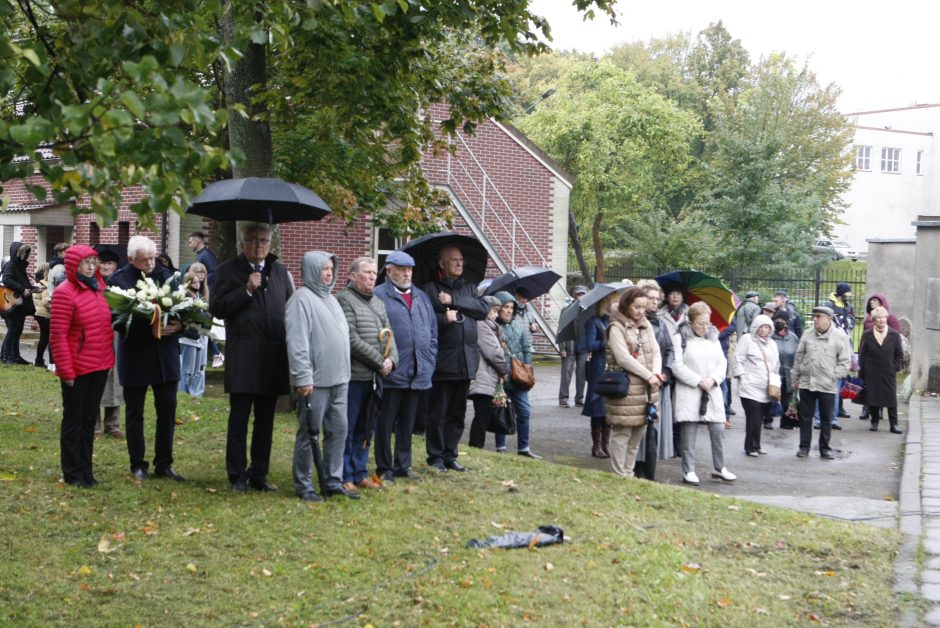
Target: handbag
(612, 384)
(773, 379)
(852, 389)
(503, 419)
(522, 374)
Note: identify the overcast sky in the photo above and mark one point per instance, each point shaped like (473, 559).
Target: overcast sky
(880, 54)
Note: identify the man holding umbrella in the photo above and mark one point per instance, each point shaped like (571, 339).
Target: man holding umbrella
(251, 293)
(458, 308)
(374, 356)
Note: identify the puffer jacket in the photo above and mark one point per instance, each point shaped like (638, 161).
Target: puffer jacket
(80, 331)
(822, 359)
(754, 360)
(493, 363)
(701, 357)
(366, 317)
(632, 346)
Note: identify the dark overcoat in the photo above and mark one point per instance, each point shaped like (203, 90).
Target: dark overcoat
(255, 334)
(142, 360)
(878, 368)
(458, 355)
(595, 342)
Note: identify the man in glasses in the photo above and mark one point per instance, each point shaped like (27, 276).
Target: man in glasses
(250, 295)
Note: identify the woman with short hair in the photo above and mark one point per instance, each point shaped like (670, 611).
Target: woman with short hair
(880, 357)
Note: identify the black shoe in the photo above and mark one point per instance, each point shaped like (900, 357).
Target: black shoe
(579, 404)
(407, 474)
(864, 415)
(140, 474)
(843, 414)
(40, 363)
(438, 466)
(732, 413)
(802, 453)
(387, 477)
(873, 428)
(768, 426)
(453, 465)
(263, 485)
(19, 360)
(169, 474)
(528, 453)
(896, 430)
(240, 486)
(79, 483)
(837, 426)
(826, 455)
(310, 497)
(333, 492)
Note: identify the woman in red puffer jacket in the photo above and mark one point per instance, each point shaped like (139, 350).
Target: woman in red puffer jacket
(83, 345)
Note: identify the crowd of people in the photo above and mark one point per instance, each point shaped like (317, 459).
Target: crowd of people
(372, 363)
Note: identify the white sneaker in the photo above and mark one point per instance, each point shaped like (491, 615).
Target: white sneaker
(690, 478)
(725, 475)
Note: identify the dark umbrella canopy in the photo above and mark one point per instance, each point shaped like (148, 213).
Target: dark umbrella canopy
(426, 249)
(259, 200)
(575, 317)
(535, 280)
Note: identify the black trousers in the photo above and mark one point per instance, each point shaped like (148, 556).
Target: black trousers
(482, 413)
(77, 434)
(11, 341)
(396, 416)
(447, 409)
(754, 414)
(164, 401)
(875, 414)
(236, 445)
(43, 343)
(827, 403)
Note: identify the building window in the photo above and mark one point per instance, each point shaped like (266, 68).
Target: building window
(386, 244)
(920, 163)
(124, 232)
(863, 158)
(94, 234)
(891, 160)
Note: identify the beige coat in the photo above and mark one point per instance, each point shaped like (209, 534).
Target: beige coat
(632, 347)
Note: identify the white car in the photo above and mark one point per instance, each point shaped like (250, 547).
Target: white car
(835, 249)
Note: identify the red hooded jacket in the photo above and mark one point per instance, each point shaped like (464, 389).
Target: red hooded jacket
(80, 330)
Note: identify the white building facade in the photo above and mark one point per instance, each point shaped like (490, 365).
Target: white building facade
(897, 177)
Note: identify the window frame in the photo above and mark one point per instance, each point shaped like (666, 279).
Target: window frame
(890, 158)
(919, 164)
(863, 158)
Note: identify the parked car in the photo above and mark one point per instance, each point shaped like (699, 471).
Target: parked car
(835, 249)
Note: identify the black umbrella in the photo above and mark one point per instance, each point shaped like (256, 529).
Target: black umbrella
(535, 280)
(426, 249)
(313, 433)
(374, 400)
(575, 317)
(259, 200)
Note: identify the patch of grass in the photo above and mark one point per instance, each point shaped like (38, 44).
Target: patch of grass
(639, 553)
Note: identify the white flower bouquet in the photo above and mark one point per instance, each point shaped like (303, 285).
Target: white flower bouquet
(158, 305)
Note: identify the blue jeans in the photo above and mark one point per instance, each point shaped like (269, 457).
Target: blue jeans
(520, 402)
(192, 370)
(355, 456)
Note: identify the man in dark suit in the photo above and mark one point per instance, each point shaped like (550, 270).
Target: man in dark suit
(250, 294)
(144, 361)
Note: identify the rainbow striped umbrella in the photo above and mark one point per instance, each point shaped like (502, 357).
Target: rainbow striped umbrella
(697, 286)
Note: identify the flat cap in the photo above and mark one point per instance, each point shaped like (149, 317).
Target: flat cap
(822, 309)
(751, 293)
(400, 258)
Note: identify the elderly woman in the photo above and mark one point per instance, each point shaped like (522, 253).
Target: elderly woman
(83, 344)
(879, 358)
(490, 372)
(700, 367)
(594, 339)
(755, 359)
(631, 347)
(518, 345)
(194, 350)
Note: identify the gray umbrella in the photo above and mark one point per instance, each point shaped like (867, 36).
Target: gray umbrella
(575, 317)
(534, 280)
(259, 200)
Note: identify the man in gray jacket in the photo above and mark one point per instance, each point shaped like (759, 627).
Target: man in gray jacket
(823, 357)
(373, 355)
(318, 353)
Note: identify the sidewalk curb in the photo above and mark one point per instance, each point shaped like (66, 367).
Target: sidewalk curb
(906, 566)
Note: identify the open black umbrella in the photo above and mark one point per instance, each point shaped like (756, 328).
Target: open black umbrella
(425, 251)
(259, 200)
(535, 280)
(573, 317)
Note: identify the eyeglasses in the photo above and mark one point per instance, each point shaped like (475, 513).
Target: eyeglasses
(90, 261)
(257, 241)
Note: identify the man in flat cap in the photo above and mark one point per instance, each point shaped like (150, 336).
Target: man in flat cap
(823, 357)
(747, 312)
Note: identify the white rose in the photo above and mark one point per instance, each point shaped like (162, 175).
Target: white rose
(165, 290)
(167, 302)
(140, 284)
(132, 293)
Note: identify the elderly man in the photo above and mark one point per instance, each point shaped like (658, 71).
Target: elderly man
(373, 353)
(746, 313)
(251, 294)
(571, 360)
(319, 355)
(823, 357)
(146, 361)
(457, 307)
(411, 317)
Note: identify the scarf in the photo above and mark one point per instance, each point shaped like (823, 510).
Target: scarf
(880, 335)
(91, 282)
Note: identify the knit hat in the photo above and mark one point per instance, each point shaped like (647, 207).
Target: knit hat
(492, 301)
(842, 288)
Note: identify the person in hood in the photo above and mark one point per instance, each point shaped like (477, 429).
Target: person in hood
(16, 279)
(755, 360)
(319, 356)
(146, 361)
(794, 321)
(84, 347)
(250, 294)
(787, 343)
(458, 307)
(875, 300)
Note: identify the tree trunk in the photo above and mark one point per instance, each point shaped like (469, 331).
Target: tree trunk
(600, 273)
(578, 248)
(251, 134)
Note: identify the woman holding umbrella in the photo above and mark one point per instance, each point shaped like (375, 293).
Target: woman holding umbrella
(595, 340)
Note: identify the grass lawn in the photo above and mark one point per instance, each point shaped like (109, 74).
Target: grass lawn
(194, 553)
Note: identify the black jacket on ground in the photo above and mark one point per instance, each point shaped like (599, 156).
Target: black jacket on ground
(255, 334)
(458, 355)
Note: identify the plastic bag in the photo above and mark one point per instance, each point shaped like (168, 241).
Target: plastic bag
(544, 535)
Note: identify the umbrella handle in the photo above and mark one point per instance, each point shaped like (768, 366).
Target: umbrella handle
(386, 335)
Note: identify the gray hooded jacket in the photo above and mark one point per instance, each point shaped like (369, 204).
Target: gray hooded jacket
(317, 333)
